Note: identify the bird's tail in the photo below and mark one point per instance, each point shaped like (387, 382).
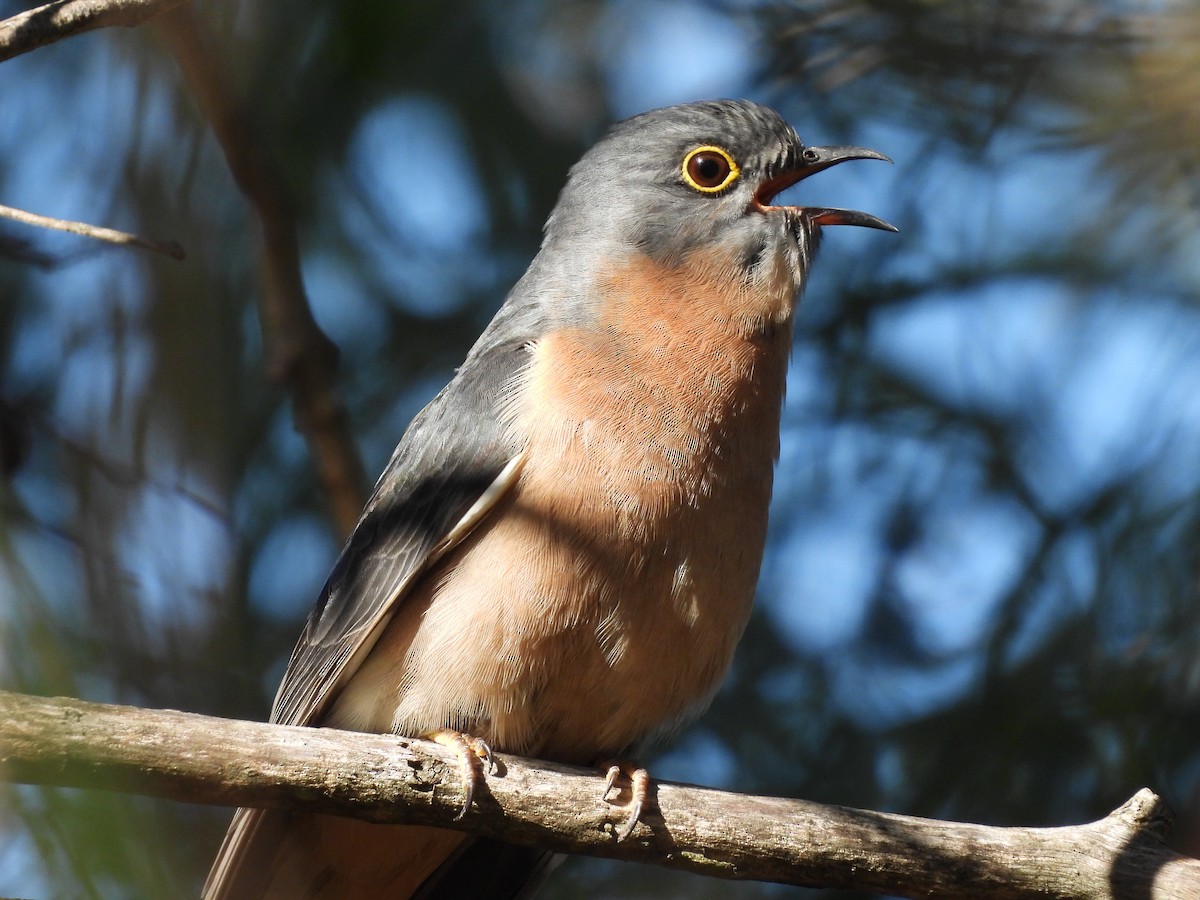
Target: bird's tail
(270, 855)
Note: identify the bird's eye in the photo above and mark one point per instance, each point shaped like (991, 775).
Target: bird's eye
(709, 169)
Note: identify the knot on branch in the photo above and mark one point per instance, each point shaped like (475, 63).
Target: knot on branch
(1145, 813)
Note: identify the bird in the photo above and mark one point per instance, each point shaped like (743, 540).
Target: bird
(560, 556)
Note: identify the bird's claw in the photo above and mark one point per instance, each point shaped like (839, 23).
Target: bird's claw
(639, 791)
(474, 760)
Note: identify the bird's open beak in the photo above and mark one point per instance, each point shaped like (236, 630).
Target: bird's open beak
(813, 160)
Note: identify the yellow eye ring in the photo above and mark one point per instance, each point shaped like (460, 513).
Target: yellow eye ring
(709, 169)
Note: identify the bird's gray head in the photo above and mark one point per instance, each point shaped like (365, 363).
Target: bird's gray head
(694, 183)
(700, 175)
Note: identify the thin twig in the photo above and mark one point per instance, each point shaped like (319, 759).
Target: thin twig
(111, 235)
(46, 24)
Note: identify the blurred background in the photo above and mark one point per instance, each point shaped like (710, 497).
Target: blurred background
(979, 599)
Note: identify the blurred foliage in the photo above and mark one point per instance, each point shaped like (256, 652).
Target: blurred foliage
(979, 599)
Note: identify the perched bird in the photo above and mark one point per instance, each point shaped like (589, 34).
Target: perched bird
(560, 556)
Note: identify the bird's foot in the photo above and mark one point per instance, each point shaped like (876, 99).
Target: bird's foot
(474, 760)
(639, 792)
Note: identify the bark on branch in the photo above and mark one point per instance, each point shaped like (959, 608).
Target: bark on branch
(37, 27)
(381, 778)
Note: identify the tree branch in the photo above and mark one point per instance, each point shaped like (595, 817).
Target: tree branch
(381, 778)
(299, 354)
(37, 27)
(97, 232)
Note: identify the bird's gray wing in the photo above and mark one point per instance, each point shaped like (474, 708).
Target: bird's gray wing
(454, 462)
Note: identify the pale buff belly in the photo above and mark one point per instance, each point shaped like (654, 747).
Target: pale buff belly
(545, 645)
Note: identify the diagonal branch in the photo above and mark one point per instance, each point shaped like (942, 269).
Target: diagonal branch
(299, 355)
(46, 24)
(381, 778)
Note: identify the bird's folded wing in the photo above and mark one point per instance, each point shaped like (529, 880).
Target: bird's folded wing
(454, 463)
